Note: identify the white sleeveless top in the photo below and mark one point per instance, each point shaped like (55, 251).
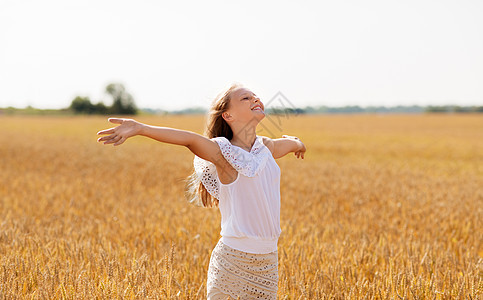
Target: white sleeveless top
(250, 205)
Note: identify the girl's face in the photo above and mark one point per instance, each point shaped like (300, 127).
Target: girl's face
(245, 106)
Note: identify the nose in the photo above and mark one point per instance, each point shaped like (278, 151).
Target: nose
(257, 100)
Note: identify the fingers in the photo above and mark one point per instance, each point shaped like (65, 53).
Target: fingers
(290, 137)
(299, 154)
(107, 137)
(112, 137)
(106, 131)
(111, 130)
(121, 140)
(115, 120)
(113, 140)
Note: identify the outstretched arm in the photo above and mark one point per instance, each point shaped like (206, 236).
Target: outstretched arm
(196, 143)
(286, 144)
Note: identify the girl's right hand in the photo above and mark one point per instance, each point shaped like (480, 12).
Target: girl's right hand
(118, 135)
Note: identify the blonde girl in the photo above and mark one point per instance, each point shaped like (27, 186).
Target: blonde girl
(234, 170)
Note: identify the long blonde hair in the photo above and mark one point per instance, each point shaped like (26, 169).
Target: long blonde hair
(215, 126)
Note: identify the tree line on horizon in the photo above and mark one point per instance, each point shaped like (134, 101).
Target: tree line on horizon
(340, 110)
(122, 103)
(378, 109)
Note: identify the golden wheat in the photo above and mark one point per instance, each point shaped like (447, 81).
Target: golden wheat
(382, 207)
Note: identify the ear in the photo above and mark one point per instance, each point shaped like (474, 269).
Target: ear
(227, 116)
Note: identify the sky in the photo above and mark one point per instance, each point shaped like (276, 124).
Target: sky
(177, 54)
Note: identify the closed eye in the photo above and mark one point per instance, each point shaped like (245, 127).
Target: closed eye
(247, 98)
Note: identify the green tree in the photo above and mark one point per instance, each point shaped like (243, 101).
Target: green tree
(123, 102)
(82, 105)
(100, 108)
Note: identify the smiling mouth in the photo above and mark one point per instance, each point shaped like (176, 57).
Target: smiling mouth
(257, 108)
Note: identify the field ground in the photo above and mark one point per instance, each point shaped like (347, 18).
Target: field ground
(383, 207)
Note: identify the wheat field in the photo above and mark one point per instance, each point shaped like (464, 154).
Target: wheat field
(382, 207)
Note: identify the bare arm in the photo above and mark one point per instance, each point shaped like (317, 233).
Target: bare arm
(196, 143)
(282, 146)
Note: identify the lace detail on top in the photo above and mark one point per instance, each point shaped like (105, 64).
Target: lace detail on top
(244, 162)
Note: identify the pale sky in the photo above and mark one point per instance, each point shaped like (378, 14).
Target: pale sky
(178, 54)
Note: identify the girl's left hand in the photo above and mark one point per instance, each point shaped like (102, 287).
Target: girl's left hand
(301, 152)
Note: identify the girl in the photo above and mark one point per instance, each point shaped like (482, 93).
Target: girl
(235, 170)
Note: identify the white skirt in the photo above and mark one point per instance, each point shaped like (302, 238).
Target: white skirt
(233, 273)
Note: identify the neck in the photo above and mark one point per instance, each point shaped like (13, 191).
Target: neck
(244, 136)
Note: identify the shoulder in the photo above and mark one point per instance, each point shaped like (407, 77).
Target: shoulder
(220, 138)
(222, 141)
(268, 142)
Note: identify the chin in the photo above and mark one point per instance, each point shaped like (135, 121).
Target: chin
(258, 112)
(260, 116)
